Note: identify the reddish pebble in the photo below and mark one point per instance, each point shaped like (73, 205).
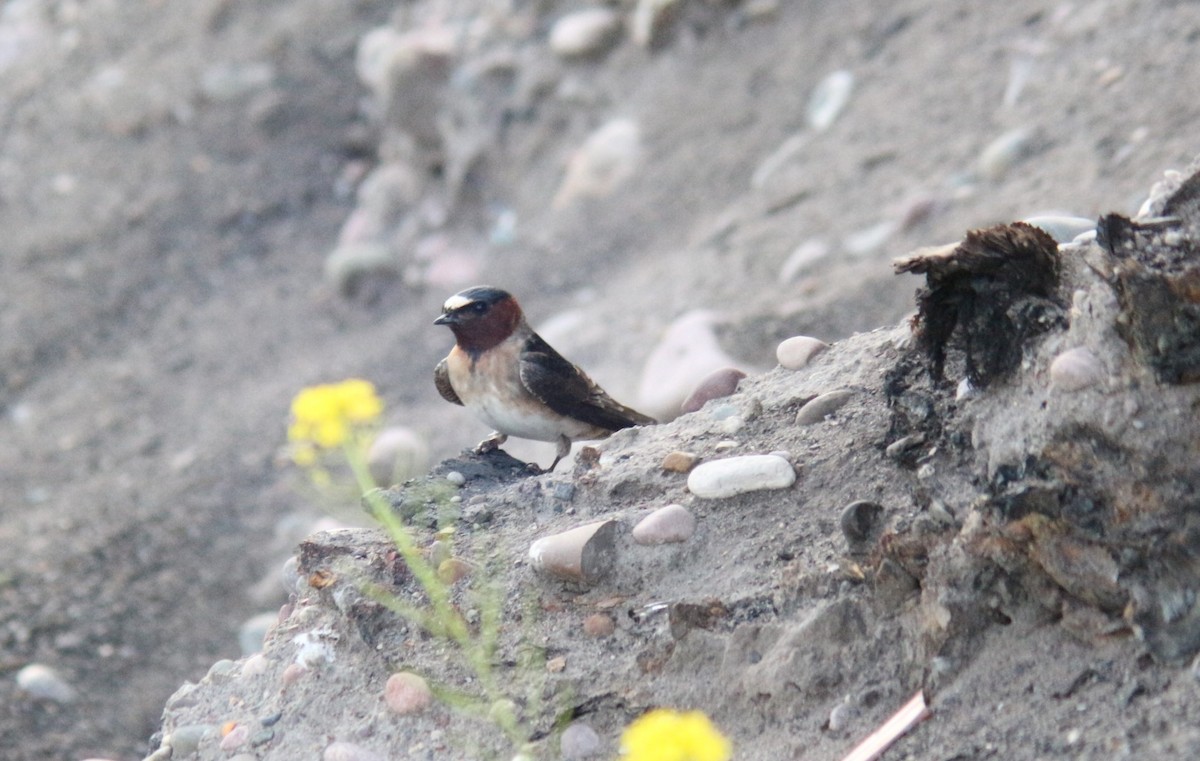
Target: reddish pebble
(598, 625)
(673, 523)
(715, 385)
(407, 693)
(292, 674)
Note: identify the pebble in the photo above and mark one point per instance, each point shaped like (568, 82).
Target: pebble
(585, 553)
(344, 751)
(585, 33)
(456, 478)
(1063, 229)
(607, 158)
(964, 390)
(807, 253)
(859, 519)
(823, 406)
(230, 81)
(599, 625)
(235, 738)
(407, 693)
(687, 353)
(648, 19)
(44, 683)
(254, 630)
(796, 352)
(293, 581)
(780, 157)
(578, 740)
(869, 239)
(556, 664)
(1005, 152)
(716, 385)
(666, 525)
(452, 570)
(828, 99)
(185, 740)
(679, 462)
(1075, 369)
(738, 475)
(292, 674)
(348, 266)
(396, 455)
(841, 716)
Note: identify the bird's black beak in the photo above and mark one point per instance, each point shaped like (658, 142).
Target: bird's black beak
(446, 319)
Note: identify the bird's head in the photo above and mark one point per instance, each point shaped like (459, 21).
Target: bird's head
(480, 317)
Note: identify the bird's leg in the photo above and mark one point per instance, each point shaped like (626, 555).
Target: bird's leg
(491, 443)
(564, 448)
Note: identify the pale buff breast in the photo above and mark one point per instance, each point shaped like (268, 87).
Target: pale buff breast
(492, 389)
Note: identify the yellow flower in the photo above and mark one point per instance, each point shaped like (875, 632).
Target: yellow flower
(666, 735)
(326, 416)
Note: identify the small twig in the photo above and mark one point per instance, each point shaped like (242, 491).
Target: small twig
(914, 712)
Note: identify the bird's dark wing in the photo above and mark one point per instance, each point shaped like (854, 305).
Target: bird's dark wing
(441, 379)
(567, 390)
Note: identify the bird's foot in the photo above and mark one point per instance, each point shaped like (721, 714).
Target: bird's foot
(563, 449)
(491, 443)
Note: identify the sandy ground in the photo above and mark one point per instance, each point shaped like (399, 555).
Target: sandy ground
(174, 176)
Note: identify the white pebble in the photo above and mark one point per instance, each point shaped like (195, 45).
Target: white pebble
(579, 740)
(737, 475)
(396, 455)
(1075, 369)
(44, 683)
(807, 253)
(649, 17)
(796, 352)
(1004, 152)
(670, 524)
(608, 157)
(585, 32)
(344, 751)
(456, 478)
(828, 99)
(1063, 229)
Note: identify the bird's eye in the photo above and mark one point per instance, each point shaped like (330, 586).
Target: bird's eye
(479, 307)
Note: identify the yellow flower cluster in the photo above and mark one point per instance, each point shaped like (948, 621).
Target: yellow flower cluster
(325, 416)
(666, 735)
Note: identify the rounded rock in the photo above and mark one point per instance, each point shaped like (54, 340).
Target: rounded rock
(828, 99)
(716, 385)
(585, 33)
(344, 751)
(396, 455)
(599, 625)
(1075, 369)
(795, 353)
(349, 265)
(579, 740)
(44, 683)
(452, 570)
(738, 475)
(687, 352)
(1004, 153)
(823, 406)
(670, 524)
(235, 738)
(679, 462)
(609, 157)
(859, 519)
(254, 630)
(185, 740)
(1063, 229)
(407, 693)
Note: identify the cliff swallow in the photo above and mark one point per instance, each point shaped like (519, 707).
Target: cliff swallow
(515, 382)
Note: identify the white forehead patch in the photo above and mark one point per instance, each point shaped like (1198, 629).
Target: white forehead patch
(457, 301)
